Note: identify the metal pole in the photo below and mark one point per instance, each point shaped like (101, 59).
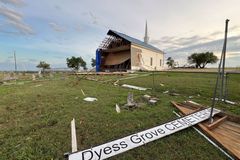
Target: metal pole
(226, 88)
(215, 91)
(220, 73)
(224, 56)
(15, 60)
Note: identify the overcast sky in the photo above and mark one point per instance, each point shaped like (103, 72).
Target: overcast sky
(52, 30)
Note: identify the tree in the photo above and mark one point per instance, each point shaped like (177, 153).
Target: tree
(43, 65)
(93, 62)
(202, 59)
(170, 62)
(76, 62)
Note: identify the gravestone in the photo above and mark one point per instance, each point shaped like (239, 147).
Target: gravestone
(6, 77)
(51, 75)
(130, 101)
(40, 74)
(33, 77)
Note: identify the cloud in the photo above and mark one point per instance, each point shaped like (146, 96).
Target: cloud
(22, 27)
(10, 14)
(214, 45)
(56, 27)
(172, 42)
(32, 60)
(15, 19)
(13, 2)
(233, 49)
(216, 33)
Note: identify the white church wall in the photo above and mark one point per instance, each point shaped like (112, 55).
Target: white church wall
(141, 59)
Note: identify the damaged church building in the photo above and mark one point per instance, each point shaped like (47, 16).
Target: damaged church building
(119, 52)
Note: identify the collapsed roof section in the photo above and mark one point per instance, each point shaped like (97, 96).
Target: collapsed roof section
(118, 38)
(133, 41)
(115, 54)
(113, 42)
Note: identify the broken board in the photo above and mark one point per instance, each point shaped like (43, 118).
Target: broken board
(113, 148)
(225, 128)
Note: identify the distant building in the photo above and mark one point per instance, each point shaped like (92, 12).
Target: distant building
(120, 52)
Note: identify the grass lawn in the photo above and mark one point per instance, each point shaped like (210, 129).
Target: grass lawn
(35, 120)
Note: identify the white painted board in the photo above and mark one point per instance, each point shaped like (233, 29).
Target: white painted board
(134, 87)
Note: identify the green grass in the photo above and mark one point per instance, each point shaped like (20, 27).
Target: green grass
(35, 121)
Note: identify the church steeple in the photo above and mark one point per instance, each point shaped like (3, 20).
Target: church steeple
(146, 38)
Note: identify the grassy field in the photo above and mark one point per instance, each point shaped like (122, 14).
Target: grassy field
(35, 120)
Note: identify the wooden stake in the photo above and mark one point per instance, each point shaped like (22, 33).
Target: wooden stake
(74, 137)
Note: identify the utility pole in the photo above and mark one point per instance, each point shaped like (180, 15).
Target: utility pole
(15, 60)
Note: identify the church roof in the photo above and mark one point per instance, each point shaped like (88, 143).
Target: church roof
(134, 40)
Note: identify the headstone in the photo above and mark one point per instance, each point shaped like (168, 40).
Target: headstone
(33, 77)
(130, 101)
(118, 110)
(6, 77)
(40, 74)
(51, 76)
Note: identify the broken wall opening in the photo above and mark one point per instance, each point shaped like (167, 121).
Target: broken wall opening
(115, 54)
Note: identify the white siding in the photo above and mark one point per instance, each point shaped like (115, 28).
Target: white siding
(145, 61)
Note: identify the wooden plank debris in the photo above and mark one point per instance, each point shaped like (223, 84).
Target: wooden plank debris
(74, 137)
(134, 87)
(225, 130)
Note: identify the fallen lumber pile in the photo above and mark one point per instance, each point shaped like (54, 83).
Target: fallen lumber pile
(225, 128)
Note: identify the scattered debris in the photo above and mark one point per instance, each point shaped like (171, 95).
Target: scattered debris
(83, 93)
(174, 94)
(147, 97)
(134, 87)
(90, 99)
(190, 97)
(38, 85)
(165, 92)
(7, 84)
(74, 136)
(133, 74)
(118, 110)
(76, 97)
(161, 84)
(227, 101)
(151, 100)
(116, 83)
(20, 83)
(225, 131)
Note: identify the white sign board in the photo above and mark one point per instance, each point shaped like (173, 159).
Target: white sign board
(135, 140)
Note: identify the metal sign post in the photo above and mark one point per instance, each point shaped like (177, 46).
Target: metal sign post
(221, 75)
